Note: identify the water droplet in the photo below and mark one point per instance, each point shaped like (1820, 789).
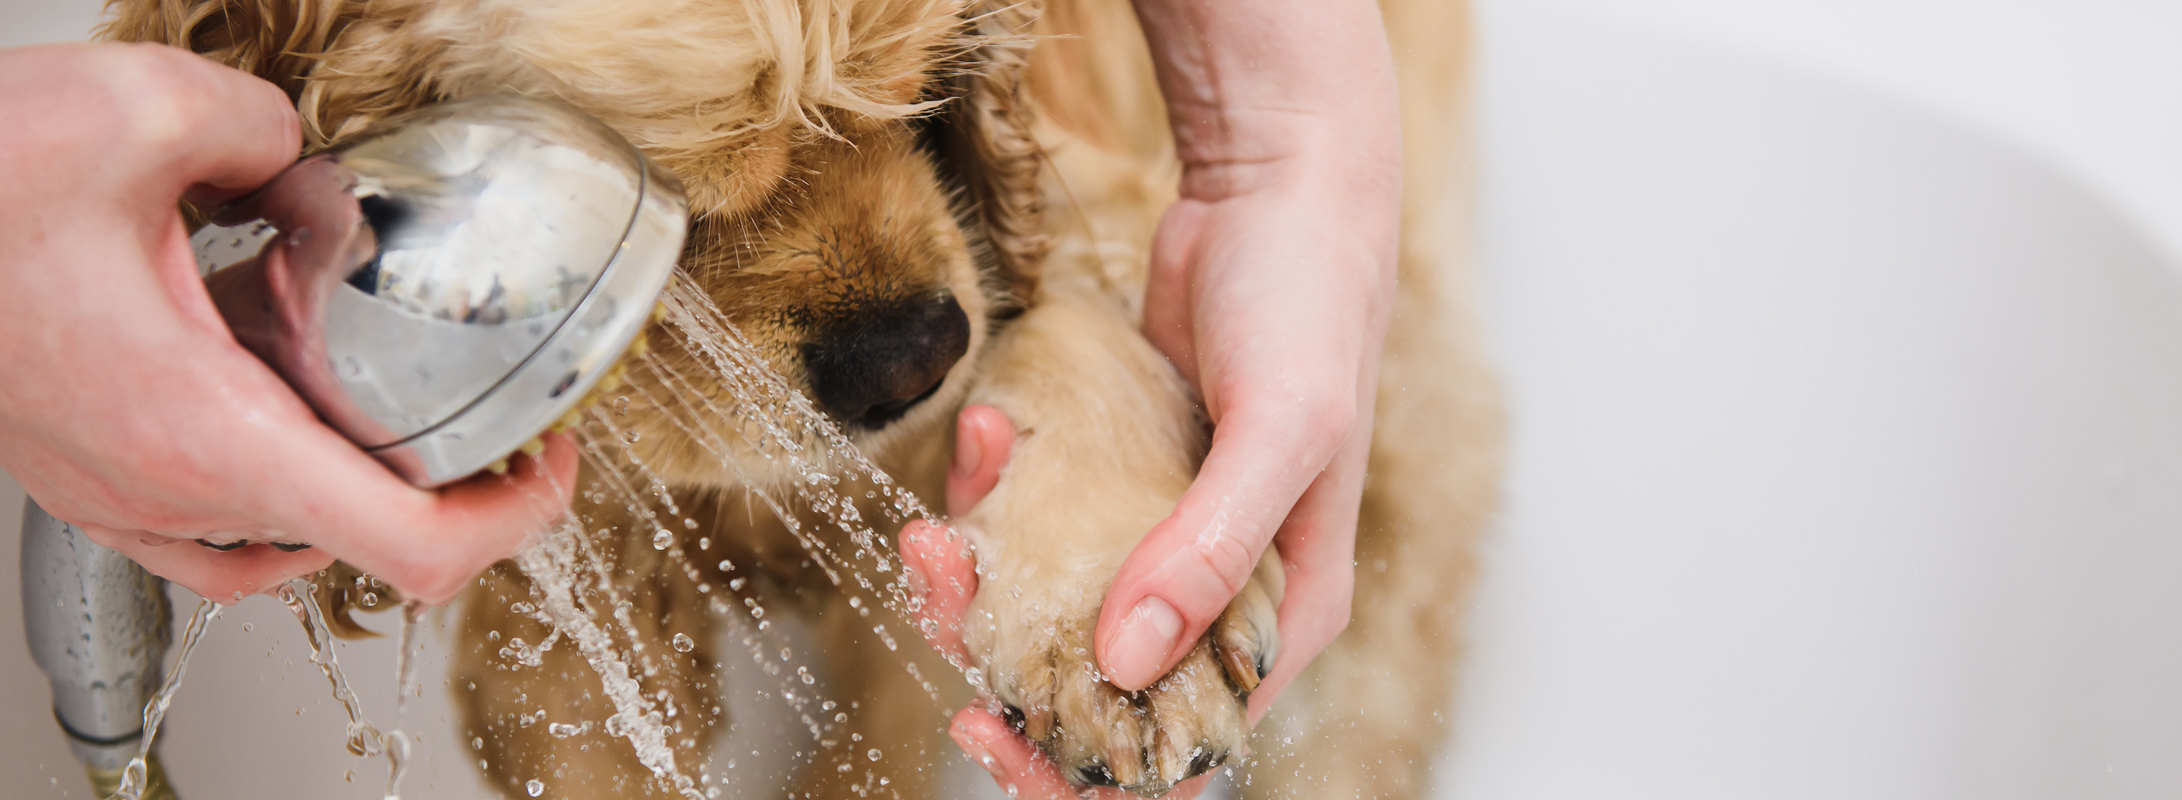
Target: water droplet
(683, 644)
(368, 600)
(536, 787)
(661, 538)
(872, 754)
(247, 627)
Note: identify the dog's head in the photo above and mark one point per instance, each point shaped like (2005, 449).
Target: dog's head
(861, 177)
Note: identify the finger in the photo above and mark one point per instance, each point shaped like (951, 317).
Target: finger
(502, 513)
(1317, 547)
(1167, 298)
(943, 571)
(1015, 764)
(983, 438)
(1191, 565)
(223, 577)
(211, 130)
(434, 546)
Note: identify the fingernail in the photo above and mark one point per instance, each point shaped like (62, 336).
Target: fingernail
(1133, 656)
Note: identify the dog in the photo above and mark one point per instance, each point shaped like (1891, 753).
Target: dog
(908, 206)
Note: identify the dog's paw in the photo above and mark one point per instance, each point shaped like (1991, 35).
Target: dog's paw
(1187, 723)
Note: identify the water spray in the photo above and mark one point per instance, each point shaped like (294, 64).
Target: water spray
(442, 289)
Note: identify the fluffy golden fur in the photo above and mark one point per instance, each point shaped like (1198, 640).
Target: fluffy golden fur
(851, 160)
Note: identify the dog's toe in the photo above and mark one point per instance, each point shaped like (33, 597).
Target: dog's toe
(1099, 730)
(1186, 724)
(1197, 718)
(1247, 635)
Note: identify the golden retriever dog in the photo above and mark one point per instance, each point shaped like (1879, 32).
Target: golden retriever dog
(908, 206)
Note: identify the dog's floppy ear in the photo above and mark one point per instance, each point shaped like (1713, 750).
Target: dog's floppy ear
(273, 39)
(982, 137)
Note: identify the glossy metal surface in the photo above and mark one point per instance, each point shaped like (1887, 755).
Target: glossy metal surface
(445, 286)
(97, 624)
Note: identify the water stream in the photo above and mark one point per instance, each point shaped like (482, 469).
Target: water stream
(133, 776)
(363, 739)
(575, 594)
(756, 412)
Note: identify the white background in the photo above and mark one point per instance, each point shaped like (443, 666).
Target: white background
(1842, 343)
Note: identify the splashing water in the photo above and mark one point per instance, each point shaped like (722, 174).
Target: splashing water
(133, 776)
(773, 416)
(363, 739)
(405, 656)
(552, 566)
(755, 413)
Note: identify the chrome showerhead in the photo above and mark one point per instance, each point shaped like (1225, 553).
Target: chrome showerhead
(453, 281)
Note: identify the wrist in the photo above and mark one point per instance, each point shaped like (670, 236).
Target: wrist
(1265, 93)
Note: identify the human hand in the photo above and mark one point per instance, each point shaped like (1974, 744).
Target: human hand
(1271, 281)
(129, 409)
(943, 571)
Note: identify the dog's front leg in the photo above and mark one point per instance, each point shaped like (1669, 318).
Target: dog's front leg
(1107, 440)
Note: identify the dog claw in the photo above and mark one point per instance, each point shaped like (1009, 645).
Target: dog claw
(1096, 774)
(1184, 725)
(1206, 761)
(1247, 635)
(1242, 669)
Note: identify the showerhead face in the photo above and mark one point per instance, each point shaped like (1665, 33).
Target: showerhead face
(446, 286)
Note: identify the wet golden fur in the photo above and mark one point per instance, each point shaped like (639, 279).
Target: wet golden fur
(847, 154)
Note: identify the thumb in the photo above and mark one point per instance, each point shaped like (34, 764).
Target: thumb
(1184, 573)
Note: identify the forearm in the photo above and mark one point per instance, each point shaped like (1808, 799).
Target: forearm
(1269, 91)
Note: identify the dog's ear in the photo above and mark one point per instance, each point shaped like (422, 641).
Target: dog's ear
(982, 137)
(277, 40)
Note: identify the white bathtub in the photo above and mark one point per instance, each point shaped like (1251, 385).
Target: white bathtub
(1844, 349)
(1846, 384)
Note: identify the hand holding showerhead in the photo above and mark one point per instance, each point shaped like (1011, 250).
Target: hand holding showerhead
(129, 409)
(452, 282)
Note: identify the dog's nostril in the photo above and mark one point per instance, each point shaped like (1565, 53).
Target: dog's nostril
(1096, 774)
(871, 370)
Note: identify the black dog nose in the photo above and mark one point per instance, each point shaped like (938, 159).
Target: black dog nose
(872, 370)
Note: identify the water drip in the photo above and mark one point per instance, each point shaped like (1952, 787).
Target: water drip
(133, 776)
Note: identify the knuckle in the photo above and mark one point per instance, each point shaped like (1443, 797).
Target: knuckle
(430, 580)
(1328, 420)
(1228, 560)
(156, 95)
(1339, 613)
